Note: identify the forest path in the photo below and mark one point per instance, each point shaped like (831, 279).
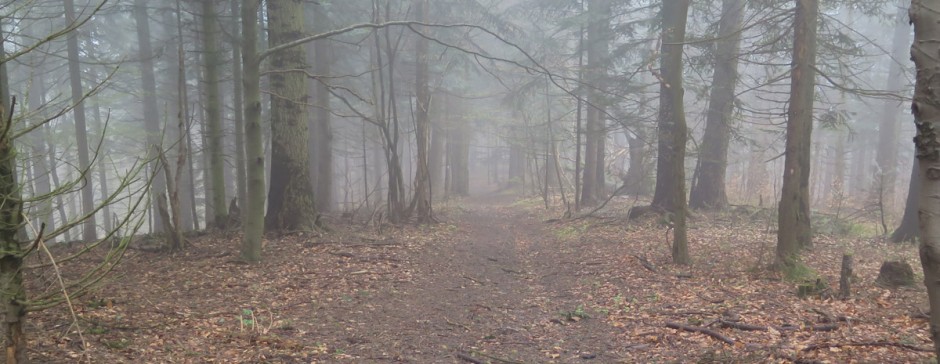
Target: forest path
(499, 290)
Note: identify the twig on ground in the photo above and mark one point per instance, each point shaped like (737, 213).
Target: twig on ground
(466, 357)
(873, 343)
(702, 330)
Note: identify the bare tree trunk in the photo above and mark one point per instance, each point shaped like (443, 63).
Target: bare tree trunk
(709, 190)
(241, 175)
(598, 36)
(323, 136)
(40, 164)
(908, 229)
(102, 174)
(670, 172)
(421, 203)
(926, 109)
(291, 202)
(887, 158)
(253, 223)
(213, 132)
(152, 122)
(89, 232)
(794, 230)
(180, 111)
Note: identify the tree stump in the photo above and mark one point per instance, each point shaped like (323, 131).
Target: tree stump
(845, 277)
(895, 274)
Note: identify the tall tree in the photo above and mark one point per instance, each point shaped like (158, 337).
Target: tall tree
(598, 38)
(708, 191)
(152, 121)
(213, 102)
(793, 220)
(89, 232)
(291, 203)
(421, 203)
(887, 157)
(241, 176)
(926, 109)
(253, 224)
(670, 168)
(321, 142)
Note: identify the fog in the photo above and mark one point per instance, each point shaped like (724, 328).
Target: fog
(397, 108)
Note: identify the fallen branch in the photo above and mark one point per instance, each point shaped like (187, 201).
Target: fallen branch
(717, 336)
(646, 264)
(874, 343)
(740, 326)
(746, 327)
(466, 357)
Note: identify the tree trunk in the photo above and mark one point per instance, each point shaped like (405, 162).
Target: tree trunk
(89, 232)
(422, 195)
(908, 229)
(670, 170)
(926, 110)
(241, 175)
(598, 36)
(887, 158)
(102, 173)
(438, 137)
(214, 132)
(153, 124)
(12, 291)
(291, 202)
(794, 230)
(709, 189)
(323, 137)
(39, 163)
(180, 111)
(253, 223)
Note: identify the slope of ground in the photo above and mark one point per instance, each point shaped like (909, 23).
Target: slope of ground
(494, 283)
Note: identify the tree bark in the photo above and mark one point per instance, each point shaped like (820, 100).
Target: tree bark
(794, 230)
(926, 109)
(253, 223)
(12, 291)
(709, 190)
(291, 202)
(670, 170)
(214, 132)
(89, 232)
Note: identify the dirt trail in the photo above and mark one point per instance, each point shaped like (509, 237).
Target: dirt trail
(499, 291)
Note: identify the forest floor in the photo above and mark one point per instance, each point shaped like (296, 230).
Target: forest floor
(494, 282)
